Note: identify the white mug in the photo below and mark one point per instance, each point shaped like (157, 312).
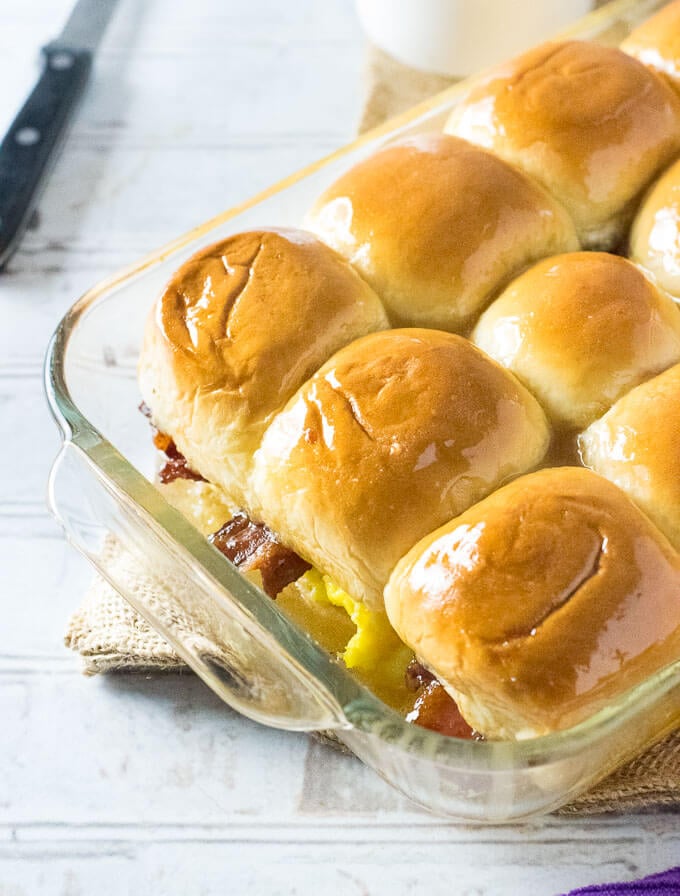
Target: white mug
(457, 37)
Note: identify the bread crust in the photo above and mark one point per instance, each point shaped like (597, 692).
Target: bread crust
(589, 122)
(656, 43)
(398, 432)
(239, 327)
(540, 604)
(580, 330)
(637, 446)
(438, 226)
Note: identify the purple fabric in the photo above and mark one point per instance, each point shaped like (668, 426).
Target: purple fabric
(667, 883)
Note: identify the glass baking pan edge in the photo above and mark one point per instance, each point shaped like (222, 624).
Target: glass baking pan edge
(226, 629)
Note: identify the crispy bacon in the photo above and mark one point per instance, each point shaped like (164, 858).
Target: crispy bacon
(252, 546)
(434, 708)
(176, 466)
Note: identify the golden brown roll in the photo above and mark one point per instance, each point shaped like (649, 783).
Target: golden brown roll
(655, 235)
(437, 226)
(395, 434)
(637, 446)
(238, 329)
(579, 330)
(541, 604)
(590, 123)
(656, 42)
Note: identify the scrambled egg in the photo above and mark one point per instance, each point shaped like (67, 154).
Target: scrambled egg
(374, 651)
(363, 638)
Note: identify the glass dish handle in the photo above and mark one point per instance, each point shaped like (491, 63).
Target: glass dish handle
(242, 657)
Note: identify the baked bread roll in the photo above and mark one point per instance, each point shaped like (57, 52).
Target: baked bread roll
(541, 604)
(656, 42)
(438, 226)
(655, 235)
(398, 432)
(238, 329)
(637, 446)
(590, 123)
(579, 330)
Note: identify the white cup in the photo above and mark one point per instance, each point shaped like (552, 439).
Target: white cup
(457, 37)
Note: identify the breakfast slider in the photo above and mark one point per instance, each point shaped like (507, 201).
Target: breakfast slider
(237, 330)
(541, 604)
(656, 43)
(437, 226)
(589, 122)
(580, 330)
(395, 434)
(637, 446)
(655, 234)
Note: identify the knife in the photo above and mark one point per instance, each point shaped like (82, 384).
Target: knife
(31, 143)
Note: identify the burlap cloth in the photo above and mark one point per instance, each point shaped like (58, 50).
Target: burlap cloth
(112, 637)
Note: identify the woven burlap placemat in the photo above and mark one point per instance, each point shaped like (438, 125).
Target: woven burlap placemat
(112, 637)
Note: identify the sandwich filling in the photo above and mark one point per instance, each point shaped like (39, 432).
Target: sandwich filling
(361, 637)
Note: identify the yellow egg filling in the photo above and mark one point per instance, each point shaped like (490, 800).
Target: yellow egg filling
(375, 651)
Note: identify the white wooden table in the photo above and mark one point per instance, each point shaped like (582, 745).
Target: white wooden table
(132, 784)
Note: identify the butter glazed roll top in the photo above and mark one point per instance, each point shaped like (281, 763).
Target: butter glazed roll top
(438, 226)
(655, 235)
(590, 123)
(398, 432)
(656, 43)
(238, 329)
(579, 330)
(637, 445)
(541, 604)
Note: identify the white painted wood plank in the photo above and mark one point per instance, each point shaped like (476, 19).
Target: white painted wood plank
(43, 580)
(124, 199)
(476, 869)
(184, 27)
(228, 32)
(212, 95)
(164, 753)
(28, 444)
(109, 784)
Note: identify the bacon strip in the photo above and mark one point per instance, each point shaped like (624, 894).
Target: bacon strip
(176, 466)
(434, 708)
(252, 546)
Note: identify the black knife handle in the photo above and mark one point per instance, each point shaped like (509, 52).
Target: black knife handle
(33, 138)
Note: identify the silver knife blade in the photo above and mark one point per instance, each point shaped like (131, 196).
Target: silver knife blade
(85, 26)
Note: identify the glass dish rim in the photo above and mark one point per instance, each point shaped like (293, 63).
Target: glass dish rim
(364, 708)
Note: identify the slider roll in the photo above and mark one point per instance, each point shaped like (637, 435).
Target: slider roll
(656, 43)
(236, 332)
(589, 122)
(637, 446)
(398, 432)
(580, 330)
(542, 604)
(655, 234)
(437, 226)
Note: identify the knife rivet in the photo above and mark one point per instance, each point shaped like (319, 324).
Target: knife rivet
(27, 136)
(61, 61)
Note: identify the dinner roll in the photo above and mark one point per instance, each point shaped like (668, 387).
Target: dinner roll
(395, 434)
(656, 42)
(237, 330)
(655, 235)
(592, 124)
(579, 330)
(437, 226)
(637, 446)
(541, 604)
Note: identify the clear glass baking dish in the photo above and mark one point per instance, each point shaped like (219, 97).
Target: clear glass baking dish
(227, 630)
